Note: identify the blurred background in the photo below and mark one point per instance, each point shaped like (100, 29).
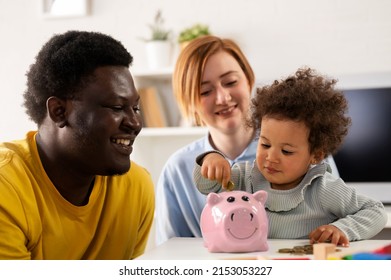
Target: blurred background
(338, 37)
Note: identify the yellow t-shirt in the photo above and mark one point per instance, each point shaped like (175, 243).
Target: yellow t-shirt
(36, 222)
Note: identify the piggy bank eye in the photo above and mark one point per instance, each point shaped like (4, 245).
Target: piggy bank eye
(245, 198)
(230, 199)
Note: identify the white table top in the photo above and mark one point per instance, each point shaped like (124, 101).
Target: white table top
(193, 249)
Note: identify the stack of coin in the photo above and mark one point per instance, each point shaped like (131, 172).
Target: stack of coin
(298, 250)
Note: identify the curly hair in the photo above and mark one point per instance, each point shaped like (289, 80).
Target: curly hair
(310, 98)
(65, 63)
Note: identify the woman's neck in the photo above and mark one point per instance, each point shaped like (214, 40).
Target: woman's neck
(231, 144)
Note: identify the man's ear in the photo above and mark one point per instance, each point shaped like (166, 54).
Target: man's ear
(57, 110)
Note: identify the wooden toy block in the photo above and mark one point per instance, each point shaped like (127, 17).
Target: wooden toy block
(321, 250)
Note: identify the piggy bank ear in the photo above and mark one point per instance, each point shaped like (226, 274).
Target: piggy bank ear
(213, 198)
(260, 196)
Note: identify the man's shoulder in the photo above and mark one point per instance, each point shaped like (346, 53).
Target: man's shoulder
(17, 150)
(136, 169)
(135, 173)
(6, 155)
(136, 181)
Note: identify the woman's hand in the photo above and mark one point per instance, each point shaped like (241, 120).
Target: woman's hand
(328, 233)
(216, 167)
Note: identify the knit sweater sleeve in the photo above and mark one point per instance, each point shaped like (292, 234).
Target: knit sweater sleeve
(358, 216)
(240, 176)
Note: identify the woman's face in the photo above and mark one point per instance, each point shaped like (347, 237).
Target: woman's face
(225, 94)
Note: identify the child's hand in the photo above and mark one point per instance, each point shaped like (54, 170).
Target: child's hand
(216, 167)
(328, 233)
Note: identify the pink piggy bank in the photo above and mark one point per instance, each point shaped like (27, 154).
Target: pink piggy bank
(235, 221)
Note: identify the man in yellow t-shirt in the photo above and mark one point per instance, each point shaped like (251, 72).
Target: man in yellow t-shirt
(69, 190)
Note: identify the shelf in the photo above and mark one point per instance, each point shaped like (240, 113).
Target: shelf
(164, 73)
(173, 131)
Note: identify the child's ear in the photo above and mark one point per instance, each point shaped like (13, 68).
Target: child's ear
(318, 156)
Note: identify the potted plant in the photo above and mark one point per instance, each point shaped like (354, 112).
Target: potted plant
(191, 33)
(158, 46)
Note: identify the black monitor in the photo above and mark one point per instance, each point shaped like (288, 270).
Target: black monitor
(364, 160)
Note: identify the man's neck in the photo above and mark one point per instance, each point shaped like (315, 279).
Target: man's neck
(69, 182)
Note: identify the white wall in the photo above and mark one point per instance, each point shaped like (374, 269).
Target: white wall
(337, 37)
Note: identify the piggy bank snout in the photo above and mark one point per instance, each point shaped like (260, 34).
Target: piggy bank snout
(241, 215)
(241, 223)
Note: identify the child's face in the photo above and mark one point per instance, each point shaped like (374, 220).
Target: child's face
(283, 153)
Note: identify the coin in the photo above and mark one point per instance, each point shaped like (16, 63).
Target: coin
(230, 186)
(298, 250)
(285, 250)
